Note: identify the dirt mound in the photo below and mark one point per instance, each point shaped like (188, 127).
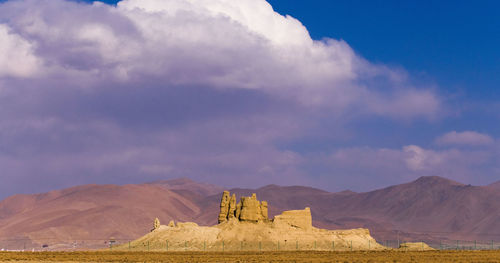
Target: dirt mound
(234, 236)
(415, 246)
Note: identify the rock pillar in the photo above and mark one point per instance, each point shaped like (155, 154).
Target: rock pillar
(224, 207)
(232, 207)
(156, 224)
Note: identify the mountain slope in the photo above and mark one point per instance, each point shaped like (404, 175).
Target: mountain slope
(91, 212)
(428, 208)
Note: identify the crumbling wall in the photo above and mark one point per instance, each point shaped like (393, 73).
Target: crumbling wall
(263, 210)
(250, 209)
(295, 218)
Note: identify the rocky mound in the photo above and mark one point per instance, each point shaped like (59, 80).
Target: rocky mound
(245, 226)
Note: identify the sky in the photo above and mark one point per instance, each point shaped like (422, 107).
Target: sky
(337, 95)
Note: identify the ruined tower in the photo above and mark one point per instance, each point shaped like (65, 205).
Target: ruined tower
(249, 209)
(224, 207)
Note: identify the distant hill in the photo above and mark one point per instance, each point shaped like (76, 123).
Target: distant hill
(495, 185)
(185, 184)
(92, 213)
(429, 208)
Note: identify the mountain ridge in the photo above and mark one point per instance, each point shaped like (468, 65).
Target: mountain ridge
(426, 208)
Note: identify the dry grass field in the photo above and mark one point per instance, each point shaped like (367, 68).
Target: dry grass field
(290, 256)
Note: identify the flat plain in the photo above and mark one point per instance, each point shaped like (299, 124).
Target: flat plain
(284, 256)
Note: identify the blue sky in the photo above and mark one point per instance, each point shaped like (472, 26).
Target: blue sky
(345, 95)
(453, 42)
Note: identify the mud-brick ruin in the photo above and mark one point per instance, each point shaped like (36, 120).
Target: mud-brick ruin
(250, 209)
(245, 225)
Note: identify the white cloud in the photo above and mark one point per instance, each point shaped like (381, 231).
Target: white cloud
(418, 159)
(225, 44)
(465, 138)
(209, 88)
(16, 55)
(257, 15)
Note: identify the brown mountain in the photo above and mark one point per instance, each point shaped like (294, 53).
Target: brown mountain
(495, 185)
(185, 184)
(429, 208)
(92, 213)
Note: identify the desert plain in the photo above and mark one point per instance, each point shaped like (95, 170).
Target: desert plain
(284, 256)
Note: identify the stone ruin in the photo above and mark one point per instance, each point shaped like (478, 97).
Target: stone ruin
(156, 224)
(250, 209)
(295, 218)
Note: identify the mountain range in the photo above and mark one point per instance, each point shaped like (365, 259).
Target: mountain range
(429, 208)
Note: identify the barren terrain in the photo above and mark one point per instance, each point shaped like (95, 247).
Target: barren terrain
(430, 209)
(291, 256)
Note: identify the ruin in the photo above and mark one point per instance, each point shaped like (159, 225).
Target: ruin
(295, 218)
(245, 225)
(250, 209)
(156, 224)
(232, 207)
(224, 207)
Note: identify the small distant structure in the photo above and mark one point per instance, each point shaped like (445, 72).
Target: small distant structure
(156, 224)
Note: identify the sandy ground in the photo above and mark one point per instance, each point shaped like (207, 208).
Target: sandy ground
(290, 256)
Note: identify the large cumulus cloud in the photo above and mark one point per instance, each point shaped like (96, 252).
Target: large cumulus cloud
(150, 89)
(221, 44)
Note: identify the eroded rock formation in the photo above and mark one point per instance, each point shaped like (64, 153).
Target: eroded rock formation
(232, 207)
(238, 210)
(224, 207)
(263, 209)
(156, 224)
(248, 209)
